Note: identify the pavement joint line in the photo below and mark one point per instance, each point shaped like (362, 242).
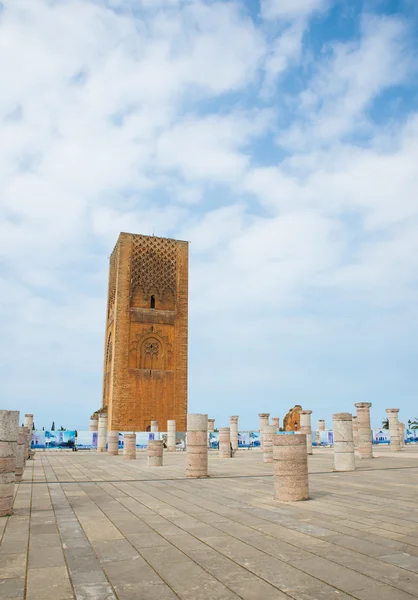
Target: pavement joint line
(316, 555)
(242, 541)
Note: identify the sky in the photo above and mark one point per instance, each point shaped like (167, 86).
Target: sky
(279, 137)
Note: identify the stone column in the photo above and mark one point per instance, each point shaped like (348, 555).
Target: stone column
(290, 468)
(276, 422)
(22, 438)
(113, 443)
(28, 437)
(211, 428)
(321, 425)
(268, 435)
(171, 436)
(234, 433)
(129, 446)
(9, 423)
(264, 420)
(365, 448)
(395, 443)
(155, 453)
(343, 442)
(224, 442)
(94, 424)
(197, 446)
(355, 431)
(305, 428)
(102, 433)
(29, 425)
(402, 434)
(154, 426)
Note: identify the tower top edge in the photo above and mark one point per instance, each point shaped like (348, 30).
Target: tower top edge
(158, 237)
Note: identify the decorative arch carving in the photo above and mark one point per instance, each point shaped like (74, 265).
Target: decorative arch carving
(150, 350)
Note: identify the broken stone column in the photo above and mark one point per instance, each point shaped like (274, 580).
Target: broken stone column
(290, 468)
(9, 423)
(276, 422)
(343, 442)
(268, 434)
(321, 425)
(365, 448)
(129, 446)
(113, 443)
(402, 434)
(22, 438)
(171, 436)
(355, 431)
(305, 428)
(264, 420)
(395, 442)
(155, 453)
(29, 425)
(224, 442)
(28, 438)
(234, 433)
(154, 426)
(102, 433)
(197, 446)
(211, 428)
(94, 424)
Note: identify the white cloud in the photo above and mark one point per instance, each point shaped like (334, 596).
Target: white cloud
(291, 9)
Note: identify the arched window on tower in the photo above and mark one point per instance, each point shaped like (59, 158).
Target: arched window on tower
(152, 303)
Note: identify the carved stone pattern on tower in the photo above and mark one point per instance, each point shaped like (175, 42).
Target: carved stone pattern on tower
(151, 350)
(153, 267)
(112, 282)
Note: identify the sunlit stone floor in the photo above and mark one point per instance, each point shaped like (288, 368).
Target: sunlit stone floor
(92, 526)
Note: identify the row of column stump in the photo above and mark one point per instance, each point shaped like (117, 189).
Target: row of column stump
(15, 450)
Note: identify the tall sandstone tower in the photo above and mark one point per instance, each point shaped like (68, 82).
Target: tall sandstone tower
(145, 361)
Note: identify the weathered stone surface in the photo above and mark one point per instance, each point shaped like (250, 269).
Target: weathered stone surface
(268, 434)
(9, 423)
(145, 355)
(290, 468)
(20, 453)
(129, 446)
(395, 441)
(305, 428)
(102, 433)
(197, 446)
(113, 443)
(321, 425)
(291, 422)
(155, 453)
(264, 420)
(234, 433)
(171, 435)
(276, 422)
(365, 448)
(343, 442)
(224, 442)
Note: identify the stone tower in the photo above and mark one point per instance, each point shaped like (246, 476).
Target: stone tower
(145, 361)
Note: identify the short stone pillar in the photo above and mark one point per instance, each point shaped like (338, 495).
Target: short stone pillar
(129, 446)
(268, 434)
(321, 425)
(355, 431)
(225, 442)
(276, 422)
(402, 434)
(154, 426)
(290, 468)
(395, 443)
(343, 442)
(305, 428)
(113, 443)
(22, 440)
(94, 424)
(9, 423)
(29, 421)
(211, 425)
(102, 433)
(197, 446)
(264, 420)
(234, 433)
(155, 453)
(171, 436)
(365, 448)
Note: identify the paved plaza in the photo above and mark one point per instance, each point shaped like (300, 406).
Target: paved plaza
(93, 526)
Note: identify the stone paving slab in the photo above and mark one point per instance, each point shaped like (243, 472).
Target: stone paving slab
(89, 526)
